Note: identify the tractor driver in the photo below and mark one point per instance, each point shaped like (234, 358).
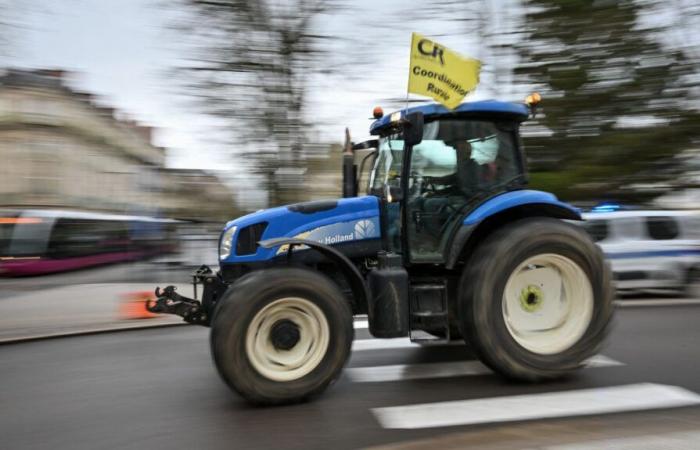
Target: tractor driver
(476, 166)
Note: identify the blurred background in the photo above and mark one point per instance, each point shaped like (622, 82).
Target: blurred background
(131, 131)
(130, 134)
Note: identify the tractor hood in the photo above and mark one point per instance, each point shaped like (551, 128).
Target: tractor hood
(330, 222)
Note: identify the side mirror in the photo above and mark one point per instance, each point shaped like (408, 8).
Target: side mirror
(413, 128)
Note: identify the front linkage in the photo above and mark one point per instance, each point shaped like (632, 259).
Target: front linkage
(191, 310)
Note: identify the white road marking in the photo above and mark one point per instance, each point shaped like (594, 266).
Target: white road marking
(602, 361)
(383, 344)
(657, 302)
(632, 397)
(401, 372)
(361, 324)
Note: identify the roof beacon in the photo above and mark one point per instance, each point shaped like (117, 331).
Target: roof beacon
(532, 101)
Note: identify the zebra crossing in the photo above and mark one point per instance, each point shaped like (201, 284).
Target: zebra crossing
(500, 409)
(613, 399)
(398, 372)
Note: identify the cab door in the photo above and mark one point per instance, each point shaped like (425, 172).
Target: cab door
(459, 163)
(385, 183)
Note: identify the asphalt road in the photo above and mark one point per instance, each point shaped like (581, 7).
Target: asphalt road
(158, 389)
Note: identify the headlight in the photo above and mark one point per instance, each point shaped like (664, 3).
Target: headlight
(226, 243)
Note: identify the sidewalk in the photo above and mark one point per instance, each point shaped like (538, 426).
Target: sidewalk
(75, 309)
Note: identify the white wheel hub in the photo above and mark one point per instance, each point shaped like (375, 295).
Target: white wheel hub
(287, 339)
(547, 303)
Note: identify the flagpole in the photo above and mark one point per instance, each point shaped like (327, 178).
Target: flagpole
(410, 55)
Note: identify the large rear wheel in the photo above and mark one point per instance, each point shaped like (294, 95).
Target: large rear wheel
(281, 335)
(536, 299)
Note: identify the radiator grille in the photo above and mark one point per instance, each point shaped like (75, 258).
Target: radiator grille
(248, 238)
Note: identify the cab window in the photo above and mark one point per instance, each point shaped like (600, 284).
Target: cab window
(464, 157)
(387, 166)
(7, 226)
(458, 163)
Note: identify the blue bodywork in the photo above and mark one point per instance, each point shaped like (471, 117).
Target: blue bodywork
(352, 219)
(357, 219)
(512, 199)
(518, 110)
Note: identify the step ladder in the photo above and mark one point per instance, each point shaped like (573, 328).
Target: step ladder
(429, 315)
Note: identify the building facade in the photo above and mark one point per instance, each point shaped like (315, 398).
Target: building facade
(58, 149)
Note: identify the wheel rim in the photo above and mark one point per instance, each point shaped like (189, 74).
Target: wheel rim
(547, 303)
(293, 354)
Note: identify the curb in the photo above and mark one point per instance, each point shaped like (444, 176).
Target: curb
(87, 332)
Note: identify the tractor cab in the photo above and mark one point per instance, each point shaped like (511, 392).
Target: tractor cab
(432, 166)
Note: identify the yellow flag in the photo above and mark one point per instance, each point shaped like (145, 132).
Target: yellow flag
(440, 73)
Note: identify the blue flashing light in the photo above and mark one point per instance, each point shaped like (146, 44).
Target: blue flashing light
(606, 207)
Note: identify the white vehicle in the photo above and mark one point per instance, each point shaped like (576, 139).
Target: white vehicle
(650, 250)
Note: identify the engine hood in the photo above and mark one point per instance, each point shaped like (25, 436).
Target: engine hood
(329, 222)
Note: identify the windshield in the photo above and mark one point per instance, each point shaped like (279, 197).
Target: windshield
(23, 236)
(387, 166)
(466, 156)
(6, 229)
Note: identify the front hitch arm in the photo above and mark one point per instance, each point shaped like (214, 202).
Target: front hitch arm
(170, 302)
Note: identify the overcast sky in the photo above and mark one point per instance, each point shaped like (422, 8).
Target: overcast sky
(122, 51)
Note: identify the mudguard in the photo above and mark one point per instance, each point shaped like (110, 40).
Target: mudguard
(523, 203)
(353, 276)
(513, 199)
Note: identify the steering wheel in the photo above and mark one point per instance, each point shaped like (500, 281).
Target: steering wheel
(429, 187)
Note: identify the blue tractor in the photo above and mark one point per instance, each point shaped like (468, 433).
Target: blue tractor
(447, 243)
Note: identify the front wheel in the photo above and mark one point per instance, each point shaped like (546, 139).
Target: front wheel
(281, 335)
(536, 299)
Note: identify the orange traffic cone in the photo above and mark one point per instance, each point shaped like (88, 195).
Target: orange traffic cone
(133, 305)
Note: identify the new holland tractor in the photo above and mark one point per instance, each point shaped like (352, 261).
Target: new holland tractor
(447, 244)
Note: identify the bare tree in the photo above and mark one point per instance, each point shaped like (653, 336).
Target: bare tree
(250, 65)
